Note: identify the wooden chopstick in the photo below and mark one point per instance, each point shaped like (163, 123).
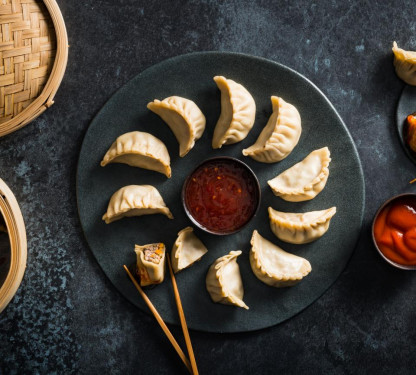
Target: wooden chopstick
(182, 319)
(161, 322)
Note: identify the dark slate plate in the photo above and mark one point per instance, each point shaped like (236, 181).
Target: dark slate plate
(406, 106)
(191, 76)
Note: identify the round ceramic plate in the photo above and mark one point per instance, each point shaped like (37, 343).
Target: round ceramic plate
(406, 106)
(191, 76)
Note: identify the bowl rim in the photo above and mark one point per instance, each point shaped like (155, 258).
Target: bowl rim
(387, 202)
(218, 158)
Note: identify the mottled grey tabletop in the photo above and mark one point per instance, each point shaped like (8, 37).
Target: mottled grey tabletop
(68, 318)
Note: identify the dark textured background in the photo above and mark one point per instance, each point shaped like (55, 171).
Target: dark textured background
(67, 317)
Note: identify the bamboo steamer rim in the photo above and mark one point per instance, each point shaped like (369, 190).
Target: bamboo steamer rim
(10, 210)
(45, 99)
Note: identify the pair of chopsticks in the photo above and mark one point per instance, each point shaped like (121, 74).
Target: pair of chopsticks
(190, 365)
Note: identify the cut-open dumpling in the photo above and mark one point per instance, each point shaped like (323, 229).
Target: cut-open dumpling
(300, 228)
(305, 180)
(238, 112)
(280, 136)
(183, 117)
(274, 266)
(150, 263)
(224, 282)
(139, 149)
(135, 200)
(188, 248)
(405, 64)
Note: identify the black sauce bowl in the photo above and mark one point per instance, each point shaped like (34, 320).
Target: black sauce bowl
(386, 203)
(256, 193)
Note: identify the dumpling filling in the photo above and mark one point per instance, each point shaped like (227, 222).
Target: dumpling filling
(150, 263)
(154, 252)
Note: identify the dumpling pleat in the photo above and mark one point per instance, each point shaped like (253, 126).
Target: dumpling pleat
(183, 117)
(225, 286)
(274, 266)
(305, 180)
(405, 64)
(238, 112)
(187, 249)
(300, 228)
(139, 149)
(135, 200)
(280, 135)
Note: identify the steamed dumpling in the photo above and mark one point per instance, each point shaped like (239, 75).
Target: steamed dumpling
(280, 136)
(274, 266)
(187, 249)
(305, 180)
(300, 228)
(224, 282)
(405, 64)
(238, 111)
(183, 117)
(150, 263)
(135, 200)
(139, 149)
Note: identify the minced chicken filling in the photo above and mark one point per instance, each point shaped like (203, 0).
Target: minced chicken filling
(154, 252)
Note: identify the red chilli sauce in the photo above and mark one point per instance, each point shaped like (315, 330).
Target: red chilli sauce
(221, 195)
(395, 231)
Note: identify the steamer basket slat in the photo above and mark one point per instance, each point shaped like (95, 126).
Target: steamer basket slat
(12, 215)
(33, 58)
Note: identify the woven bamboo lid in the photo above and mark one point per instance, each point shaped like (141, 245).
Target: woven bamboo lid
(33, 57)
(10, 211)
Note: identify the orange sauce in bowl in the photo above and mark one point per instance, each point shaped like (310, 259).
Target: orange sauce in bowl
(395, 231)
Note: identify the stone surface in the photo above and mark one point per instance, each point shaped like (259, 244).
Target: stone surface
(67, 317)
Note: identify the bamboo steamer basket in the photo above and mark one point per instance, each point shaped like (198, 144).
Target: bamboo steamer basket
(12, 215)
(33, 58)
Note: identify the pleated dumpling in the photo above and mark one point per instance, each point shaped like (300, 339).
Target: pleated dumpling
(150, 263)
(188, 248)
(274, 266)
(280, 136)
(183, 117)
(139, 149)
(305, 180)
(238, 112)
(224, 282)
(405, 64)
(300, 228)
(135, 200)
